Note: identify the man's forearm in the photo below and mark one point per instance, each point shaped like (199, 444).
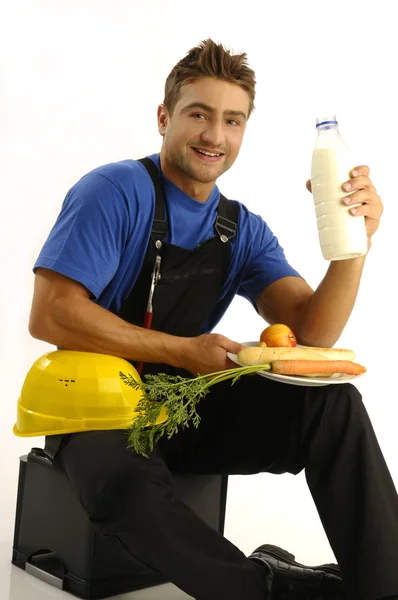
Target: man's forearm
(85, 326)
(331, 305)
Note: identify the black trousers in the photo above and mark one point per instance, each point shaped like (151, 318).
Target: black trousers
(253, 426)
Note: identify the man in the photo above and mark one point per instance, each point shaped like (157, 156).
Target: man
(91, 290)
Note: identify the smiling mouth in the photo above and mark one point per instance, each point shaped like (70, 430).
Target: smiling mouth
(207, 154)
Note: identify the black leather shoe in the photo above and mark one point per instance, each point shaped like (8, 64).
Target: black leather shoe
(287, 579)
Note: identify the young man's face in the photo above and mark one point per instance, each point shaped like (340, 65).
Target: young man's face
(210, 116)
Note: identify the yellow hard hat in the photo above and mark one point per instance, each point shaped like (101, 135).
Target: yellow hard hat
(67, 391)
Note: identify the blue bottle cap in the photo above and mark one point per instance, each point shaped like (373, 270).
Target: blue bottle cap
(331, 120)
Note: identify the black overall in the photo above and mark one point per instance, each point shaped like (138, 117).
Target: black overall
(256, 425)
(191, 280)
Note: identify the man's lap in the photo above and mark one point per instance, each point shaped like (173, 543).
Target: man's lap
(252, 426)
(255, 425)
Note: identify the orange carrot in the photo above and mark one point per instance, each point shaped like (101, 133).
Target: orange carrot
(306, 367)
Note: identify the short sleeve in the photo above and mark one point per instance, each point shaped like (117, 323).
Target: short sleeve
(265, 263)
(88, 237)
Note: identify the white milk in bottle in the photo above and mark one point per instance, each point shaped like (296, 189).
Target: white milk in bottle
(341, 234)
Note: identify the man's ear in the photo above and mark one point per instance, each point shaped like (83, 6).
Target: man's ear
(163, 119)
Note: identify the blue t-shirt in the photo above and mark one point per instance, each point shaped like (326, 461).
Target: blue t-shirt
(102, 232)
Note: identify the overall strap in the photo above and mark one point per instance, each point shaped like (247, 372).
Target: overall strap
(227, 219)
(159, 225)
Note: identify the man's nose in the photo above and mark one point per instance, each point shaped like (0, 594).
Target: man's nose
(214, 135)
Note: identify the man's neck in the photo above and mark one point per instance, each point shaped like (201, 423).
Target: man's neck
(194, 189)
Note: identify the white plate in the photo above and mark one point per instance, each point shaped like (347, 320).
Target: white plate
(296, 379)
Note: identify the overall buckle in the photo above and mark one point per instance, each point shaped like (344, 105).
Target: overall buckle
(222, 223)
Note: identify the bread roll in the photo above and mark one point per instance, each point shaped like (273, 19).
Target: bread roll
(256, 355)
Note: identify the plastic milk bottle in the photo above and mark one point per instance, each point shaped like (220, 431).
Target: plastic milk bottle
(341, 234)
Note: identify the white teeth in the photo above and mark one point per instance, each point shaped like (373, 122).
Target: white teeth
(206, 153)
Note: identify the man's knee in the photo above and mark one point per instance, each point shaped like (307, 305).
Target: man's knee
(343, 420)
(342, 401)
(350, 405)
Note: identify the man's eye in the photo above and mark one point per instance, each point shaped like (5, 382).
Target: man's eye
(233, 122)
(199, 115)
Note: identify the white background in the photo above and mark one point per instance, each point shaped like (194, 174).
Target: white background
(80, 84)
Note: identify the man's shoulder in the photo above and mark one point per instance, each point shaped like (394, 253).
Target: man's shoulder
(121, 173)
(118, 186)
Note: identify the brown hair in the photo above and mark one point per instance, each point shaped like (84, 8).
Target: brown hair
(209, 60)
